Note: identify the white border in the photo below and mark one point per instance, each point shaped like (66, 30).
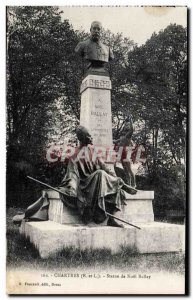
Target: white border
(2, 110)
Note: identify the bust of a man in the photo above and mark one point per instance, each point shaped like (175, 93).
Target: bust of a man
(94, 53)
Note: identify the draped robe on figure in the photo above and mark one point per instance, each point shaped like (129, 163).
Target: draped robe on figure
(92, 183)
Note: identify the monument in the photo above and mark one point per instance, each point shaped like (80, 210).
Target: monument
(95, 112)
(63, 226)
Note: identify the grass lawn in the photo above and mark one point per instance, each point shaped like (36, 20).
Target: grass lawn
(22, 254)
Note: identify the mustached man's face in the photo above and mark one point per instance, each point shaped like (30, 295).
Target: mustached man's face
(96, 31)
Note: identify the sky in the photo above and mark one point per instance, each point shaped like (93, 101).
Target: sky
(137, 23)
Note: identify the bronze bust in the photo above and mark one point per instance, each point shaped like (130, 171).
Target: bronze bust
(94, 53)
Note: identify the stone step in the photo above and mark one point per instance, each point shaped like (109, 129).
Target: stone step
(50, 237)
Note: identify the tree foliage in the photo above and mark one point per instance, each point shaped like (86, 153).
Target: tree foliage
(41, 70)
(158, 71)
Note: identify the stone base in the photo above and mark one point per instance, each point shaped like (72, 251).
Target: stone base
(138, 209)
(50, 237)
(59, 213)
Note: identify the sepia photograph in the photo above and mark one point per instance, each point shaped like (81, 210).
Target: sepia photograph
(96, 150)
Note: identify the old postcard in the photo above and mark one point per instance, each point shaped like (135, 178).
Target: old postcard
(96, 150)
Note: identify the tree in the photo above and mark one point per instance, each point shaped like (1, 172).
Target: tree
(158, 70)
(40, 70)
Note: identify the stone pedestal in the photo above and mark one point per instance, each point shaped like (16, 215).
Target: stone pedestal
(50, 237)
(138, 208)
(64, 229)
(59, 213)
(95, 111)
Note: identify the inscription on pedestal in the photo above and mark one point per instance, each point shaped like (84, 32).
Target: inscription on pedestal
(97, 82)
(96, 109)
